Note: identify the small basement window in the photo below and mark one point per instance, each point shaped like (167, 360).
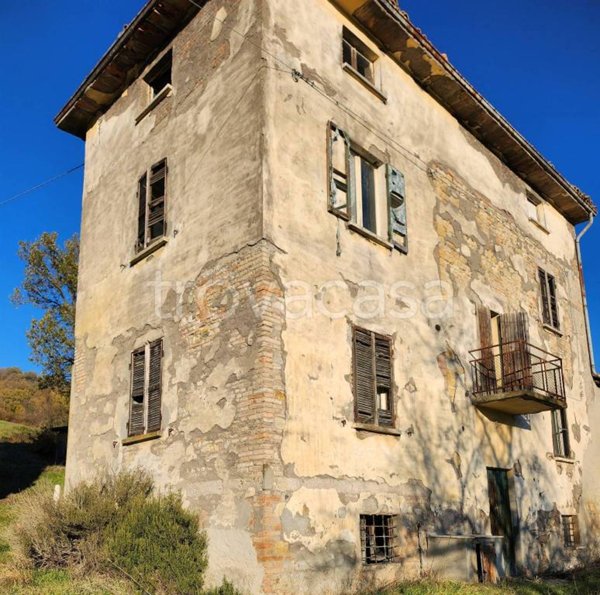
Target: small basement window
(358, 56)
(379, 538)
(159, 77)
(571, 534)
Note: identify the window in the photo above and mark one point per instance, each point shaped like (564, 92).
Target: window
(373, 395)
(145, 401)
(364, 192)
(536, 209)
(152, 190)
(571, 535)
(358, 57)
(549, 300)
(159, 78)
(560, 434)
(378, 538)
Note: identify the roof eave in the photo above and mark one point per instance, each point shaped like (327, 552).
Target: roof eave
(408, 46)
(149, 32)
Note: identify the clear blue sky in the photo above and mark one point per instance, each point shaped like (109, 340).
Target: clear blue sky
(537, 61)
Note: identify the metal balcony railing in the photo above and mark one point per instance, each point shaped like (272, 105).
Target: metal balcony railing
(510, 369)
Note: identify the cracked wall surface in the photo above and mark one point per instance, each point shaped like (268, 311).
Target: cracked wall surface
(257, 287)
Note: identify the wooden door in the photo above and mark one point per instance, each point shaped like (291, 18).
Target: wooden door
(500, 513)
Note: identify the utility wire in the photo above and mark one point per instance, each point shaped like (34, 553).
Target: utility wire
(41, 185)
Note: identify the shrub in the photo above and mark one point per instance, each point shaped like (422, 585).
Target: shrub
(159, 544)
(115, 525)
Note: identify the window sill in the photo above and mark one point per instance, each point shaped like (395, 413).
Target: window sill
(568, 460)
(166, 92)
(552, 329)
(364, 81)
(539, 225)
(370, 235)
(377, 429)
(141, 438)
(148, 250)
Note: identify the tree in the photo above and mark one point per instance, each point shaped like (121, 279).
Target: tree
(50, 284)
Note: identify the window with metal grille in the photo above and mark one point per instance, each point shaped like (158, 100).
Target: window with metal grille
(571, 534)
(373, 394)
(364, 192)
(379, 538)
(549, 299)
(358, 56)
(159, 78)
(146, 388)
(560, 433)
(152, 192)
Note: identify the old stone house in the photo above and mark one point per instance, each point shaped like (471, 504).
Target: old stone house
(331, 295)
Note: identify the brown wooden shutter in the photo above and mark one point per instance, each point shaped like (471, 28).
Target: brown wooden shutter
(364, 377)
(154, 387)
(545, 301)
(485, 327)
(516, 360)
(156, 201)
(486, 371)
(142, 191)
(383, 369)
(554, 321)
(136, 405)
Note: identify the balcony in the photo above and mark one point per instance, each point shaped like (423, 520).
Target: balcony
(517, 378)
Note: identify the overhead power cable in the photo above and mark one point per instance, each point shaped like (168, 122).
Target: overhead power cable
(41, 185)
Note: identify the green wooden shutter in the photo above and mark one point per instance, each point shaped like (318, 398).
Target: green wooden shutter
(364, 376)
(383, 372)
(136, 404)
(398, 227)
(154, 387)
(142, 191)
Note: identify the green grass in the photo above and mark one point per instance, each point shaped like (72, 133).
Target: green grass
(10, 431)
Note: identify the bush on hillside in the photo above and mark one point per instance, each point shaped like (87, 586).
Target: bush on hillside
(116, 525)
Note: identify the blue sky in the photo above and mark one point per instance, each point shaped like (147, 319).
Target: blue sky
(537, 61)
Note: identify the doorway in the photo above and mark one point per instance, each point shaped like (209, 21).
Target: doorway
(501, 518)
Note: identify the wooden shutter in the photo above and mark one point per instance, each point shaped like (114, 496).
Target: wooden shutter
(142, 198)
(545, 301)
(383, 372)
(136, 405)
(364, 377)
(554, 321)
(154, 387)
(396, 187)
(156, 201)
(340, 180)
(486, 370)
(516, 361)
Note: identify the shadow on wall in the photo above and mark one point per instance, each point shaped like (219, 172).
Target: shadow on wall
(455, 444)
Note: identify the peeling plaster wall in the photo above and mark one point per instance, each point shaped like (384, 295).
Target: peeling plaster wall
(211, 292)
(469, 228)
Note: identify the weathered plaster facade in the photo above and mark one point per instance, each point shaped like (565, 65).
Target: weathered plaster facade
(257, 286)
